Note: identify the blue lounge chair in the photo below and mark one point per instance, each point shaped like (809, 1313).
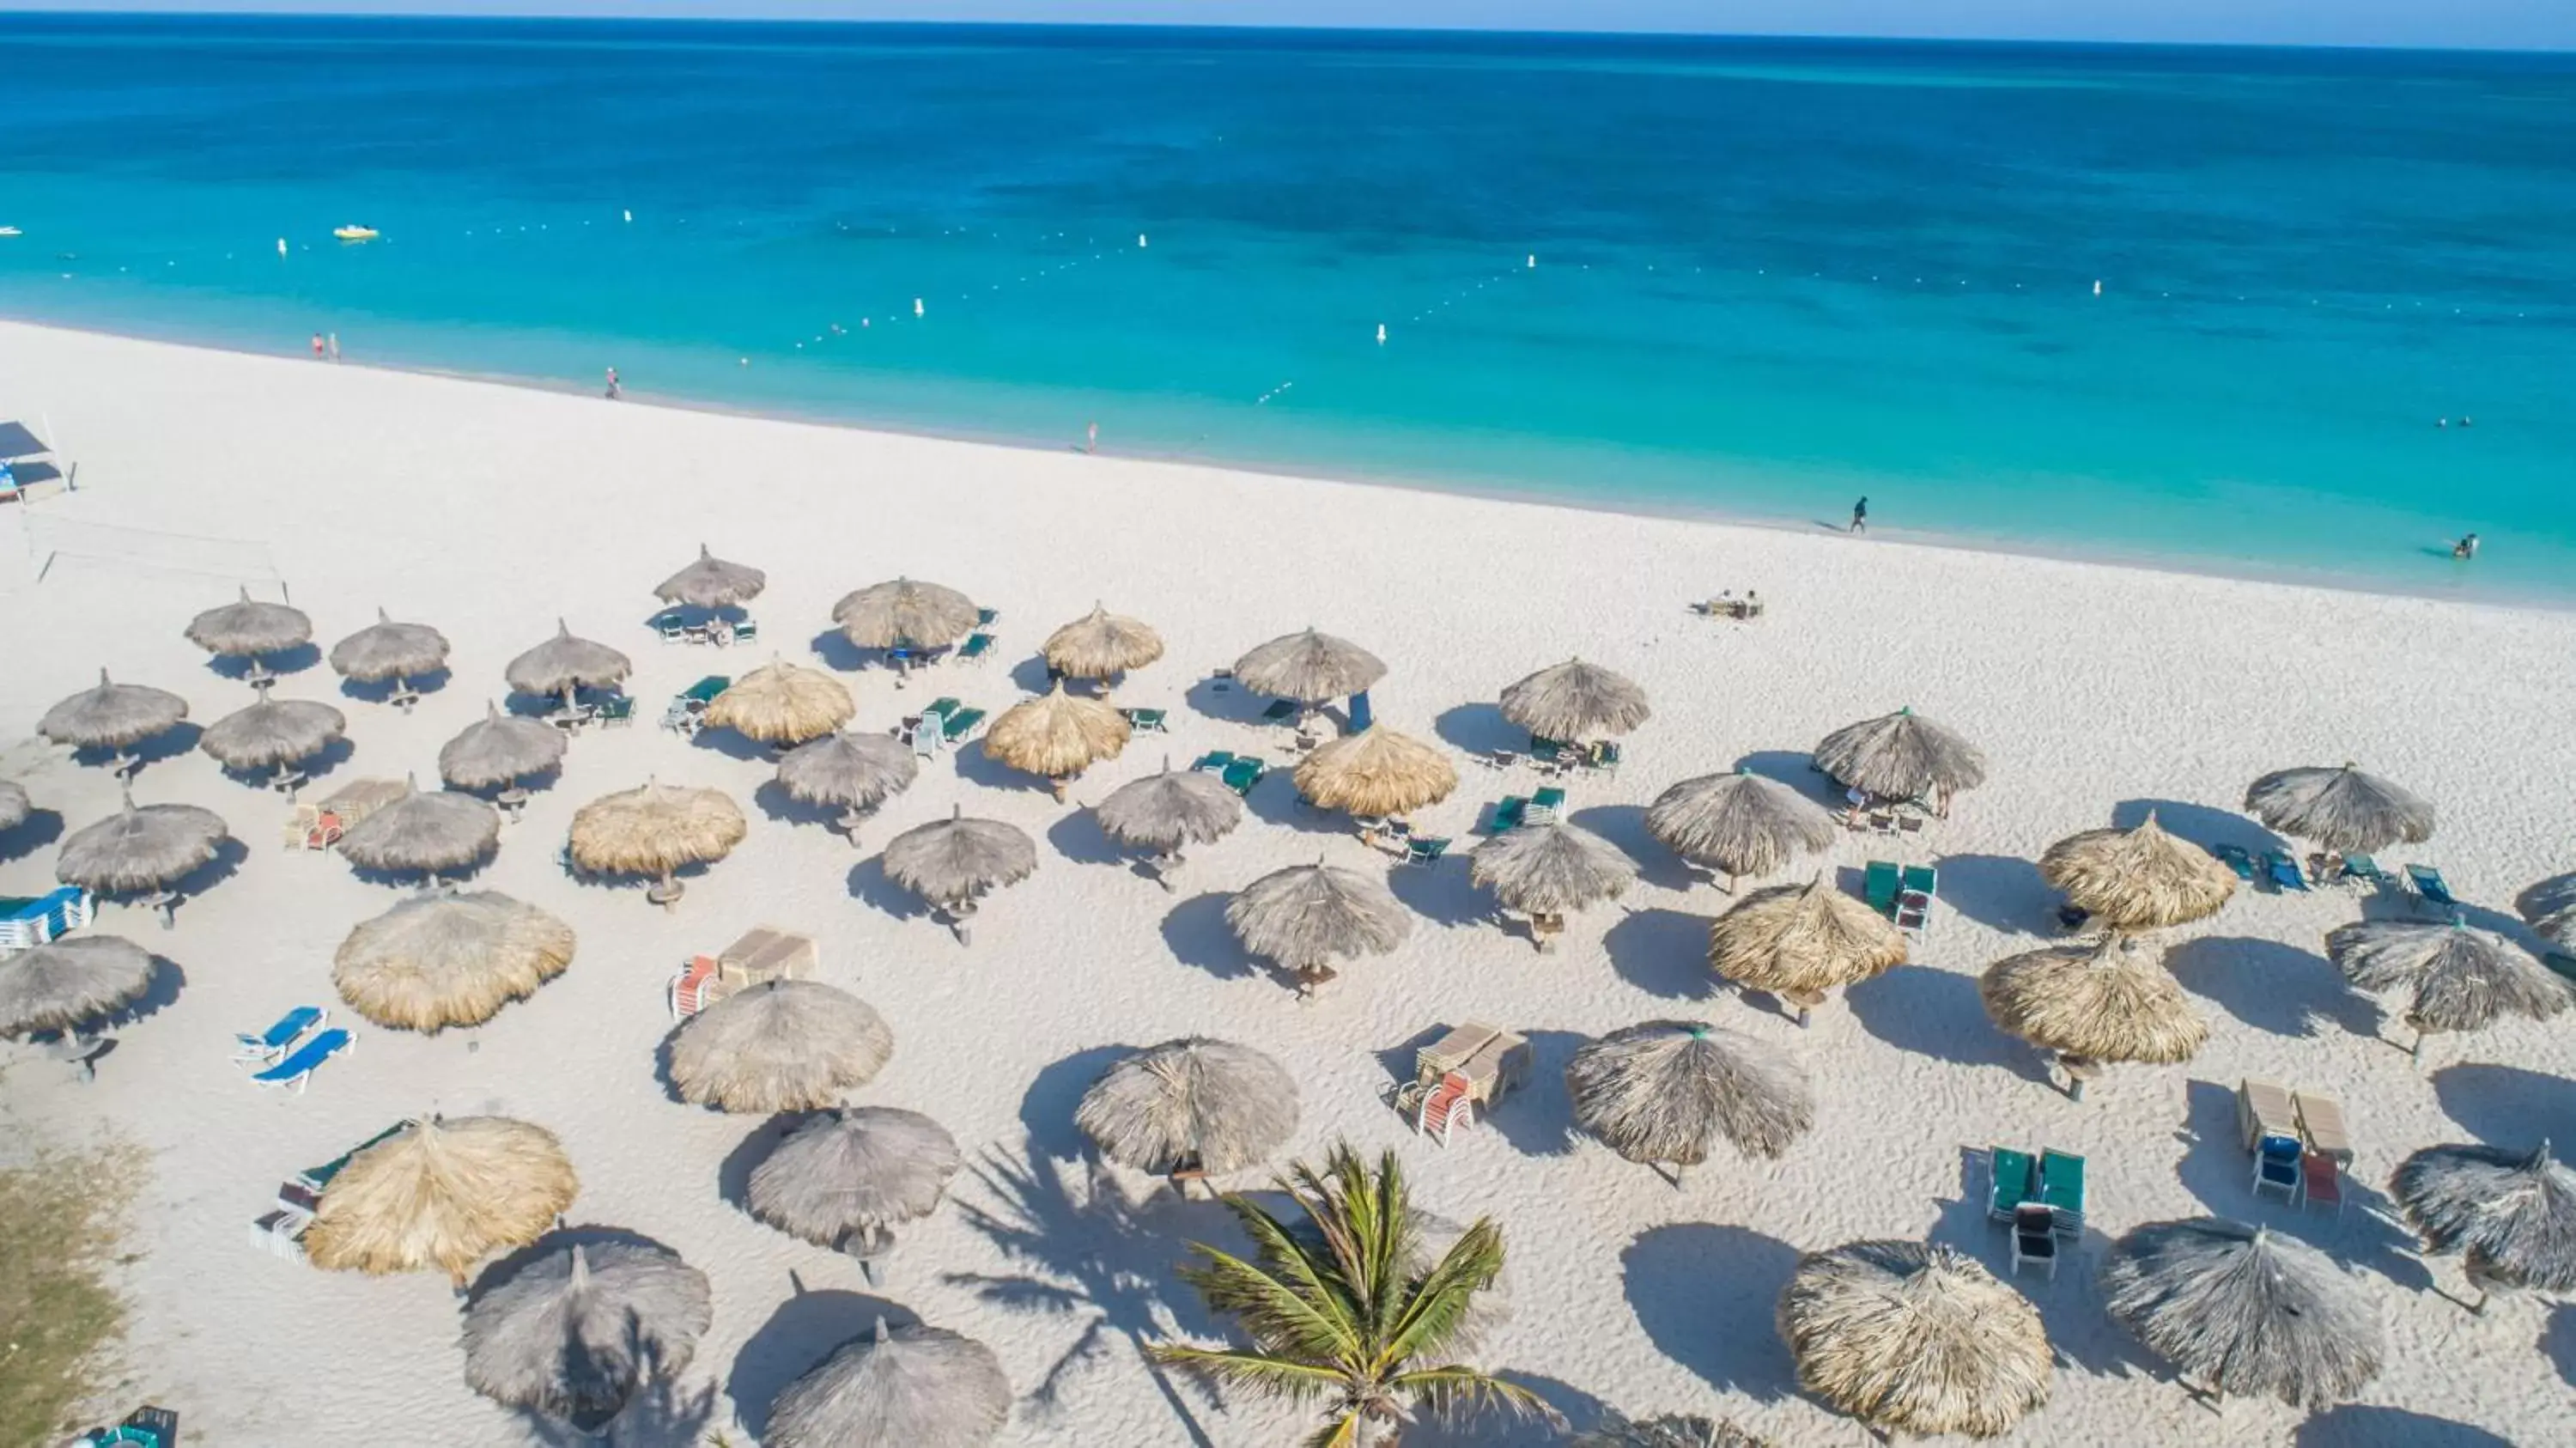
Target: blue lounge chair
(2061, 1188)
(2429, 884)
(272, 1043)
(2235, 858)
(2283, 871)
(1509, 812)
(298, 1068)
(2009, 1176)
(671, 627)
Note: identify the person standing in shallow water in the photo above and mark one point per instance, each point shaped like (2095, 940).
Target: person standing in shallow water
(2466, 548)
(614, 391)
(1860, 516)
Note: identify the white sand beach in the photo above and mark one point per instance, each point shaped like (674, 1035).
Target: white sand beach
(2097, 693)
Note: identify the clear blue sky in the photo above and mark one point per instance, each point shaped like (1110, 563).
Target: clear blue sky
(2507, 24)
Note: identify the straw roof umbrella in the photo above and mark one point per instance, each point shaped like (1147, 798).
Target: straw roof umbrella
(2246, 1310)
(1309, 667)
(1376, 772)
(426, 831)
(852, 1176)
(140, 848)
(59, 985)
(1306, 916)
(1575, 700)
(1056, 735)
(112, 716)
(435, 961)
(920, 1386)
(783, 1045)
(499, 749)
(656, 829)
(14, 805)
(1800, 941)
(1665, 1091)
(2462, 979)
(2092, 1002)
(2551, 907)
(782, 703)
(441, 1194)
(1666, 1430)
(1547, 871)
(2342, 809)
(1741, 823)
(389, 650)
(564, 664)
(1914, 1339)
(1902, 756)
(858, 772)
(1193, 1104)
(711, 582)
(573, 1333)
(1164, 811)
(248, 628)
(2140, 879)
(905, 614)
(1102, 645)
(273, 734)
(949, 862)
(2511, 1214)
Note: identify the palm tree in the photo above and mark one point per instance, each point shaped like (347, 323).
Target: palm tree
(1351, 1306)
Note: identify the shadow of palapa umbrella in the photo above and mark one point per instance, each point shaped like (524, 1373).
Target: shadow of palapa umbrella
(2246, 1310)
(857, 772)
(387, 650)
(1665, 1092)
(2092, 1003)
(1914, 1339)
(425, 832)
(2510, 1214)
(1548, 871)
(443, 1195)
(1056, 736)
(2341, 809)
(113, 716)
(1305, 917)
(574, 1333)
(1800, 941)
(435, 961)
(1740, 823)
(1190, 1108)
(1101, 645)
(847, 1178)
(142, 851)
(1164, 811)
(14, 805)
(920, 1386)
(783, 1045)
(782, 703)
(2462, 979)
(1902, 756)
(2140, 879)
(273, 734)
(67, 983)
(950, 862)
(251, 628)
(656, 829)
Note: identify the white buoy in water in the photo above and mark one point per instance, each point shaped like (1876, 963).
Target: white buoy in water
(626, 215)
(1533, 261)
(1140, 241)
(281, 246)
(2097, 289)
(916, 306)
(1381, 334)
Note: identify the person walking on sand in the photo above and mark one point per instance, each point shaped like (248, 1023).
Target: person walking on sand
(1860, 516)
(614, 392)
(317, 346)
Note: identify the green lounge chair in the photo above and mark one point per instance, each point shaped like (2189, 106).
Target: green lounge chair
(1146, 721)
(958, 723)
(1421, 851)
(2061, 1187)
(1509, 811)
(976, 646)
(671, 627)
(2235, 858)
(987, 617)
(316, 1178)
(1281, 711)
(1881, 883)
(2365, 871)
(2009, 1174)
(747, 631)
(704, 691)
(1542, 747)
(615, 709)
(942, 706)
(1544, 805)
(1243, 774)
(1214, 761)
(2429, 884)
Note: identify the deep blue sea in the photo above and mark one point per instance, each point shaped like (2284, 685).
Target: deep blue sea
(1748, 278)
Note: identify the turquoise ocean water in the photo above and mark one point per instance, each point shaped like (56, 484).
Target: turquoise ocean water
(1748, 278)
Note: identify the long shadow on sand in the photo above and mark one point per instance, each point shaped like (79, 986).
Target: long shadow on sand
(1797, 769)
(2271, 986)
(1226, 700)
(2507, 1106)
(2360, 1425)
(2407, 905)
(2219, 1171)
(1479, 729)
(1576, 1410)
(1624, 825)
(180, 738)
(774, 801)
(2003, 892)
(1197, 935)
(1704, 1295)
(1078, 837)
(1047, 1107)
(2550, 896)
(836, 651)
(2203, 825)
(1662, 952)
(1441, 893)
(1275, 801)
(379, 691)
(1938, 1013)
(870, 886)
(733, 1175)
(282, 663)
(2558, 1341)
(807, 1328)
(40, 828)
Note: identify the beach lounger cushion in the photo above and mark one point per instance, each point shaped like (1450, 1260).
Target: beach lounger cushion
(2061, 1187)
(1881, 882)
(299, 1066)
(2428, 882)
(2321, 1124)
(268, 1045)
(1509, 812)
(2264, 1108)
(961, 723)
(2283, 871)
(976, 646)
(1214, 761)
(2010, 1175)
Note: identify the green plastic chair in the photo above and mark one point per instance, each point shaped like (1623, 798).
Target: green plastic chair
(1545, 803)
(1215, 761)
(1243, 774)
(2061, 1186)
(1509, 812)
(1881, 883)
(976, 646)
(706, 689)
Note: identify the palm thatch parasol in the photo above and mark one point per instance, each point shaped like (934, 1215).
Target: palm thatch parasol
(2551, 908)
(858, 772)
(1914, 1339)
(1305, 916)
(920, 1386)
(1309, 667)
(248, 628)
(441, 1194)
(14, 805)
(1575, 701)
(1902, 756)
(2092, 1002)
(501, 749)
(1800, 941)
(2511, 1214)
(2463, 979)
(389, 650)
(565, 664)
(1194, 1104)
(426, 832)
(1547, 871)
(854, 1175)
(2246, 1310)
(1102, 645)
(57, 986)
(1164, 811)
(1668, 1430)
(1376, 772)
(2140, 879)
(784, 1045)
(272, 734)
(949, 862)
(140, 848)
(711, 582)
(1056, 735)
(436, 961)
(782, 703)
(1741, 823)
(573, 1334)
(112, 716)
(2342, 809)
(1664, 1091)
(656, 829)
(904, 614)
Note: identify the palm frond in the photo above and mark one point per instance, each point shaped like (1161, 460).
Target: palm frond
(1341, 1432)
(1441, 1301)
(1286, 1255)
(1456, 1388)
(1278, 1377)
(1276, 1315)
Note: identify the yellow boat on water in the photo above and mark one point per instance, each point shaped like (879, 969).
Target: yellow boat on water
(354, 233)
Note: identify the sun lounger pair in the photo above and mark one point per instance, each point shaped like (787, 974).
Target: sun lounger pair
(298, 1068)
(1240, 772)
(29, 921)
(1147, 721)
(2053, 1180)
(273, 1043)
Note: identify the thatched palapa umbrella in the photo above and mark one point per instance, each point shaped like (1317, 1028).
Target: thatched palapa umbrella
(905, 614)
(2463, 979)
(1306, 916)
(436, 961)
(426, 832)
(656, 829)
(57, 986)
(950, 862)
(2246, 1310)
(920, 1386)
(565, 665)
(1376, 772)
(1902, 756)
(1741, 823)
(442, 1194)
(1547, 871)
(1666, 1430)
(2093, 1002)
(2550, 906)
(711, 582)
(1914, 1339)
(499, 751)
(14, 805)
(249, 628)
(1191, 1105)
(1164, 811)
(2511, 1214)
(2140, 879)
(1102, 645)
(1056, 736)
(1800, 941)
(573, 1334)
(2342, 809)
(847, 1178)
(273, 734)
(113, 716)
(782, 703)
(1309, 668)
(858, 772)
(141, 849)
(1575, 701)
(785, 1045)
(389, 650)
(1665, 1091)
